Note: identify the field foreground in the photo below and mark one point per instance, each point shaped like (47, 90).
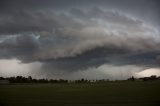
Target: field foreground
(96, 94)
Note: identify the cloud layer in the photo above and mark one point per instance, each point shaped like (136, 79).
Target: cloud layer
(74, 39)
(75, 32)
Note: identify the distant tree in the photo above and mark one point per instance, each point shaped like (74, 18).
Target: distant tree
(131, 79)
(153, 77)
(1, 78)
(30, 78)
(82, 80)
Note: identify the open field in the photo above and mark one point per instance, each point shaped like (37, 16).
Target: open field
(100, 94)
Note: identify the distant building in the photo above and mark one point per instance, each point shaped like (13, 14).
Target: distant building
(2, 82)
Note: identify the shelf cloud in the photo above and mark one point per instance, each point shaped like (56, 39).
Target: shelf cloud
(69, 39)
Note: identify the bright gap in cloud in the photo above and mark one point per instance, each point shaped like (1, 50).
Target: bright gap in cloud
(149, 72)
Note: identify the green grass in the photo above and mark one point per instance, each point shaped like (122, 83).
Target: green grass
(100, 94)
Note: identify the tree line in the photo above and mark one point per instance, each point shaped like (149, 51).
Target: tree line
(29, 79)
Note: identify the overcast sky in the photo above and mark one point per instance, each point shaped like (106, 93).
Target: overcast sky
(73, 39)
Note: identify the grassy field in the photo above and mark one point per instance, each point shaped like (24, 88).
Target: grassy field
(100, 94)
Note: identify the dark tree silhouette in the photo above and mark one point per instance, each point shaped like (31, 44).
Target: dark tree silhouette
(29, 79)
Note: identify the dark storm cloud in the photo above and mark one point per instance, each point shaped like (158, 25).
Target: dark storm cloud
(66, 34)
(94, 59)
(22, 47)
(147, 59)
(26, 15)
(91, 58)
(25, 21)
(74, 35)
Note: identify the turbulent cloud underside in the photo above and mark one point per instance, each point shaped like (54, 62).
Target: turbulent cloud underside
(77, 42)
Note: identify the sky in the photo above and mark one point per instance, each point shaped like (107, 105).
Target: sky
(74, 39)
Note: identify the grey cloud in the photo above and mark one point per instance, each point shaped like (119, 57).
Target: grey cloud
(146, 9)
(99, 56)
(22, 47)
(65, 34)
(26, 21)
(73, 36)
(75, 39)
(146, 59)
(91, 58)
